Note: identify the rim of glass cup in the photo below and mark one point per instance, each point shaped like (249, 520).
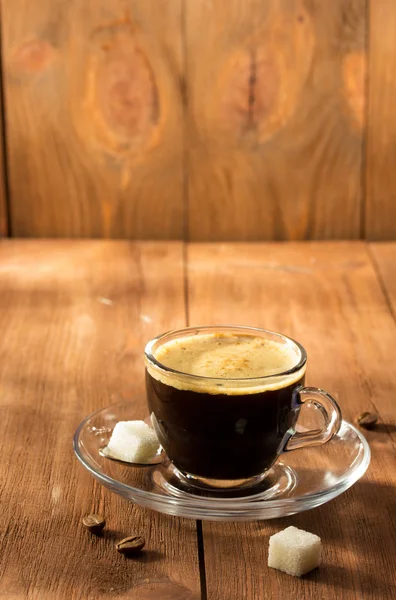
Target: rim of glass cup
(174, 333)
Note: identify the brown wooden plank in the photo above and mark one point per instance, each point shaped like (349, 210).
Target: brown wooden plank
(384, 257)
(381, 123)
(74, 320)
(3, 202)
(94, 118)
(328, 297)
(3, 195)
(276, 94)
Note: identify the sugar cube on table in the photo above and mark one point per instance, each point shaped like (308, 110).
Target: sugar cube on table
(132, 441)
(294, 551)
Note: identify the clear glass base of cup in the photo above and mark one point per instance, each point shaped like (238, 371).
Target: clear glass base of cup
(218, 485)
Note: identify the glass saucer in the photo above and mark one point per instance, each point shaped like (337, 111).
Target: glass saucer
(299, 481)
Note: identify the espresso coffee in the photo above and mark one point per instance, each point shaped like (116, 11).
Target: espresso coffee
(223, 403)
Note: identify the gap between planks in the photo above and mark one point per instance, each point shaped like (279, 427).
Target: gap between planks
(381, 280)
(200, 540)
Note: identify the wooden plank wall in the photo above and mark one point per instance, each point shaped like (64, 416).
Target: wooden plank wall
(200, 119)
(276, 147)
(94, 118)
(4, 229)
(381, 123)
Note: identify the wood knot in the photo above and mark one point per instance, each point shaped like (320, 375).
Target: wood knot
(354, 76)
(121, 99)
(260, 85)
(126, 93)
(32, 56)
(252, 90)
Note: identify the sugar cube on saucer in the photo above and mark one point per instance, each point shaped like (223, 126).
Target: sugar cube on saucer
(294, 551)
(132, 441)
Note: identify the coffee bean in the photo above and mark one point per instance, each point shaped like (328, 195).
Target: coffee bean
(367, 420)
(94, 523)
(131, 545)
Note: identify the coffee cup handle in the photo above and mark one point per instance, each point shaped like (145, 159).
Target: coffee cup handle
(332, 420)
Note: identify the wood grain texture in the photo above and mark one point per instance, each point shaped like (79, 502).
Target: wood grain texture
(3, 194)
(384, 257)
(275, 120)
(94, 118)
(74, 319)
(327, 296)
(3, 188)
(381, 131)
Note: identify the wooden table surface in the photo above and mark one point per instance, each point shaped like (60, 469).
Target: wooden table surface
(75, 316)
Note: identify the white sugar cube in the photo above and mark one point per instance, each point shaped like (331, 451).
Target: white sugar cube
(132, 441)
(294, 551)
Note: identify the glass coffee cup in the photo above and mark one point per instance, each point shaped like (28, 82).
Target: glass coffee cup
(225, 400)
